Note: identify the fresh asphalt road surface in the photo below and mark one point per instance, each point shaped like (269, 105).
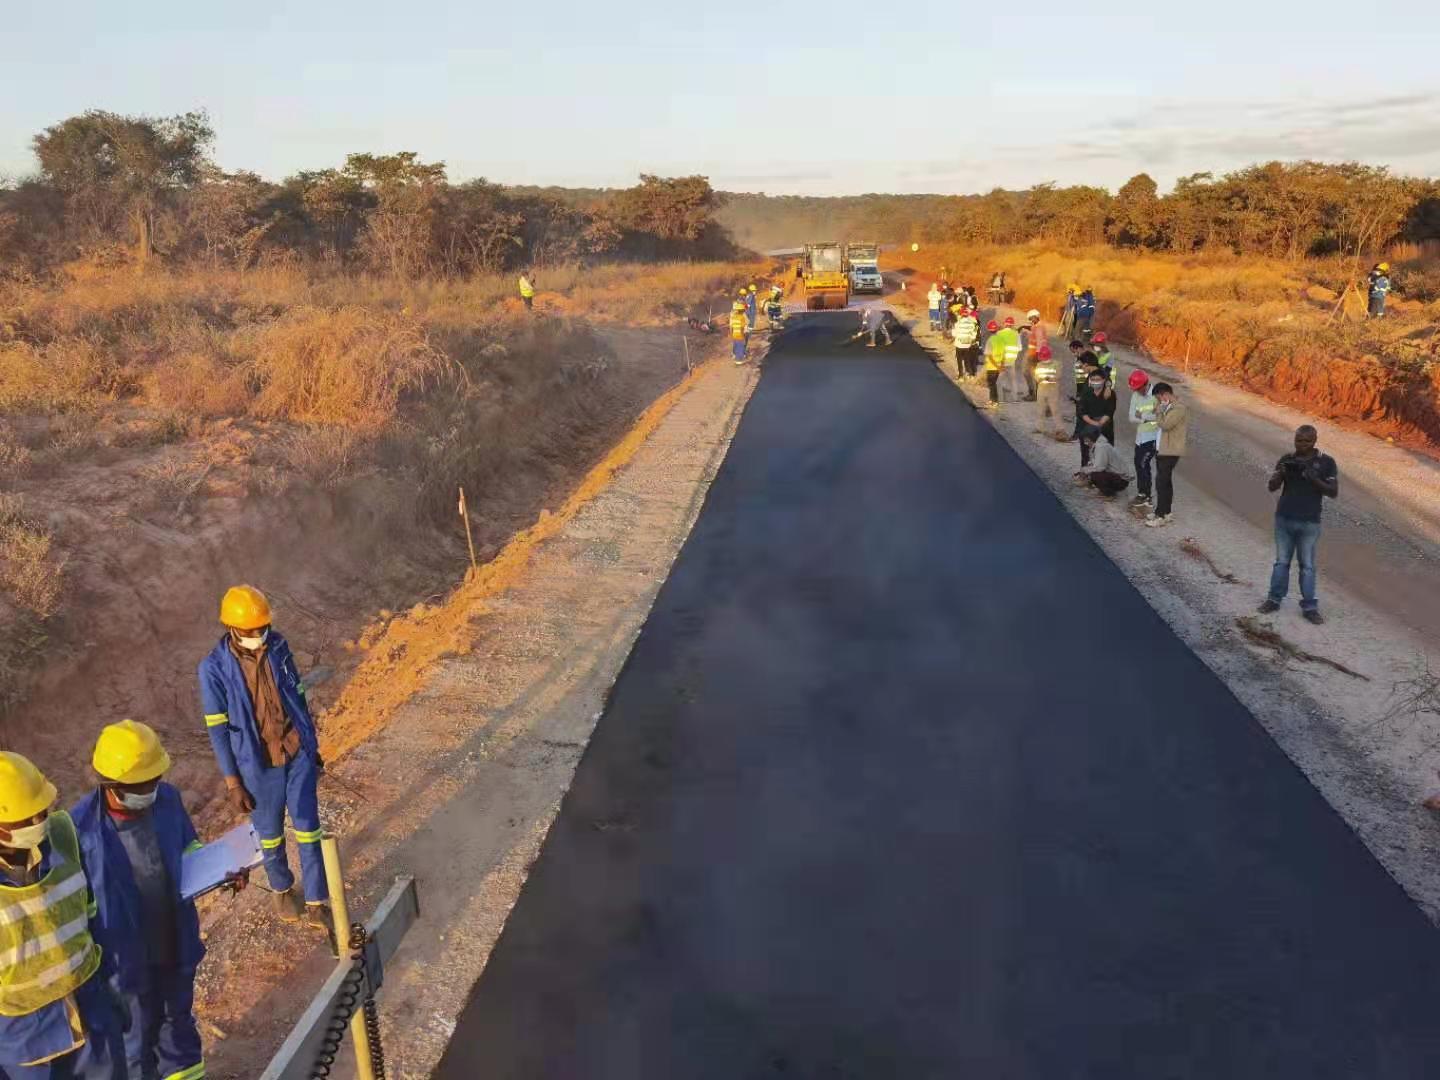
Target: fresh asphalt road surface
(903, 779)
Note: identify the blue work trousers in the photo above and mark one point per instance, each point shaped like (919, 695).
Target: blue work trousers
(1295, 538)
(290, 787)
(934, 318)
(101, 1058)
(1377, 305)
(738, 347)
(163, 1042)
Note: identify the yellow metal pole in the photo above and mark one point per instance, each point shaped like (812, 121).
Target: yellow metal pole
(340, 912)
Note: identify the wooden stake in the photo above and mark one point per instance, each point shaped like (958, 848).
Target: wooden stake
(340, 912)
(688, 366)
(465, 517)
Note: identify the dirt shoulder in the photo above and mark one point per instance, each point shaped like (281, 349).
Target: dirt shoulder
(1370, 754)
(460, 786)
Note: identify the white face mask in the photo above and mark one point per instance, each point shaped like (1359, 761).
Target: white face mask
(27, 838)
(131, 800)
(253, 643)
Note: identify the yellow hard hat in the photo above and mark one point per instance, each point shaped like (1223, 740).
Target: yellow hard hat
(752, 288)
(1384, 266)
(24, 791)
(245, 608)
(1074, 287)
(130, 753)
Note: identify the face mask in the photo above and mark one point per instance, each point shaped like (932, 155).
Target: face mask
(131, 800)
(1096, 387)
(253, 643)
(27, 838)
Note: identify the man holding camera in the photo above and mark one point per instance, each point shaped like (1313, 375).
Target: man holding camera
(1307, 478)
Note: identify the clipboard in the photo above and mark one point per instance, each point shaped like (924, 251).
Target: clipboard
(207, 868)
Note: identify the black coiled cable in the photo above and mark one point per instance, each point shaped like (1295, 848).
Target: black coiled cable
(345, 1004)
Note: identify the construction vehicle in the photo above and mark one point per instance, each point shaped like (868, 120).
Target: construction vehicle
(864, 262)
(826, 272)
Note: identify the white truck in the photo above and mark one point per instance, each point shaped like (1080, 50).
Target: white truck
(864, 262)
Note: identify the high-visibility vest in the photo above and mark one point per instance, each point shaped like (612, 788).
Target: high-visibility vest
(994, 353)
(1011, 346)
(1107, 364)
(46, 951)
(1145, 406)
(1047, 371)
(966, 333)
(526, 289)
(738, 325)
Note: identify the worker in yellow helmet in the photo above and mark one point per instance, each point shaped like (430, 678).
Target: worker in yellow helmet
(739, 332)
(133, 832)
(57, 1016)
(264, 741)
(527, 289)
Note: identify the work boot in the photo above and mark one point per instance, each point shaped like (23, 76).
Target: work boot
(317, 913)
(1268, 606)
(288, 906)
(1313, 616)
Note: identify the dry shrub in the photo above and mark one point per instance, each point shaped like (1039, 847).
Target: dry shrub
(71, 373)
(172, 484)
(14, 454)
(326, 456)
(31, 573)
(348, 366)
(198, 384)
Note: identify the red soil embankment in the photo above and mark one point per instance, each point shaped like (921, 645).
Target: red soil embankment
(1264, 326)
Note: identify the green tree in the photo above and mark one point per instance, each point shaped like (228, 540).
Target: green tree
(131, 162)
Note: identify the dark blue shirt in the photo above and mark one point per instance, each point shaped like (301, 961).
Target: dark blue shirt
(1300, 499)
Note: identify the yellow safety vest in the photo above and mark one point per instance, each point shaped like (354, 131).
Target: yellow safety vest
(526, 289)
(1145, 415)
(1047, 371)
(1012, 345)
(738, 325)
(994, 349)
(46, 951)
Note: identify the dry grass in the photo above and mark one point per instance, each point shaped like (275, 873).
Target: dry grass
(1273, 326)
(280, 343)
(31, 574)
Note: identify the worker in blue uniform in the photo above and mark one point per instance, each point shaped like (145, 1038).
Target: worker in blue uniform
(133, 833)
(59, 1019)
(264, 741)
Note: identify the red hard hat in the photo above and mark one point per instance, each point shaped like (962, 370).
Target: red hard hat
(1100, 338)
(1138, 379)
(1010, 320)
(1043, 352)
(992, 325)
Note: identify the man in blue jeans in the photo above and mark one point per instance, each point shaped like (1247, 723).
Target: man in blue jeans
(1304, 479)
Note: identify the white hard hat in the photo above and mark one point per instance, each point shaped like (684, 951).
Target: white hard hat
(1032, 314)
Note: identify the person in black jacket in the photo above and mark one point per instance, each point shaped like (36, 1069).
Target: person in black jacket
(1096, 412)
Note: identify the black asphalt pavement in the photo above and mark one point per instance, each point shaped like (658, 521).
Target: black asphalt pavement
(904, 779)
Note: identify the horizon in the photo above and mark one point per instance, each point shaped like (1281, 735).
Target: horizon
(704, 94)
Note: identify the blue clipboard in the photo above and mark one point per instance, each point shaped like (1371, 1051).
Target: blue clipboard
(207, 868)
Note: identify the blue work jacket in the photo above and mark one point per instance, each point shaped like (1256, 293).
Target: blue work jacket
(46, 1031)
(230, 714)
(118, 926)
(1085, 306)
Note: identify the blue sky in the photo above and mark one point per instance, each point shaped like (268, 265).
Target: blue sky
(790, 102)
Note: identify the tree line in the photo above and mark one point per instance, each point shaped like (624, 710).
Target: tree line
(1280, 209)
(137, 186)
